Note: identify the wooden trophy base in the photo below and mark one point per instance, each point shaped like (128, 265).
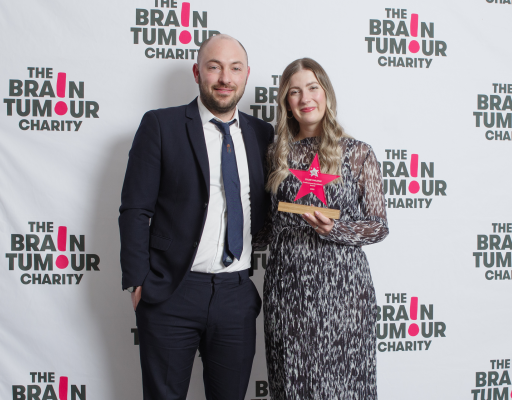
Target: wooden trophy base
(301, 209)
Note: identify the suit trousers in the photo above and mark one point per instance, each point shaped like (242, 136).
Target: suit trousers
(215, 313)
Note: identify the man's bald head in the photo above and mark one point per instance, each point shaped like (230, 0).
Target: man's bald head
(221, 36)
(221, 72)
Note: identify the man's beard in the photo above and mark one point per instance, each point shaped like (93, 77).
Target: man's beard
(212, 103)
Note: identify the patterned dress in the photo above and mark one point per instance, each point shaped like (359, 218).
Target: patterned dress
(319, 300)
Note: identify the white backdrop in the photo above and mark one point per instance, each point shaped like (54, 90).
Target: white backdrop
(76, 340)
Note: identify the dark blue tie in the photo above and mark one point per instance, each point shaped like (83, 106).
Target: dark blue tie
(234, 240)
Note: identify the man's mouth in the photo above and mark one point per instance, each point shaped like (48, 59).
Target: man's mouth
(224, 90)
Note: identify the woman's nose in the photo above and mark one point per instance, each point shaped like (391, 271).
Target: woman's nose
(305, 99)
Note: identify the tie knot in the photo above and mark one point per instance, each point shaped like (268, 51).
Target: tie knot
(223, 126)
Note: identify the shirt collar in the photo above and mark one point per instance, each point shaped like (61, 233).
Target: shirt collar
(206, 114)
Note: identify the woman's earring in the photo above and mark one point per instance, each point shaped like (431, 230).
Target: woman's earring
(288, 115)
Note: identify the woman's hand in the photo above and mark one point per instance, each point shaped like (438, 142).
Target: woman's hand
(320, 223)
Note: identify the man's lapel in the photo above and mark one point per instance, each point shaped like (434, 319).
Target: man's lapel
(196, 135)
(253, 155)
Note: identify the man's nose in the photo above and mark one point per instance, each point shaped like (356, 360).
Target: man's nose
(225, 77)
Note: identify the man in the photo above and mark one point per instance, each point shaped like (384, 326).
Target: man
(192, 197)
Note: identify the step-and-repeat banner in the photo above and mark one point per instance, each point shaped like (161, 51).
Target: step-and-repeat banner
(427, 84)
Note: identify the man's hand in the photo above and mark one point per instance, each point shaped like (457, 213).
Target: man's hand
(136, 297)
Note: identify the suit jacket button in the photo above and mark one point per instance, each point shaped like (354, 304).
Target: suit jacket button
(195, 244)
(205, 205)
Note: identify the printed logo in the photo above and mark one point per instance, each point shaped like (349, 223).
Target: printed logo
(43, 86)
(492, 252)
(259, 258)
(261, 389)
(390, 325)
(494, 384)
(44, 384)
(493, 112)
(265, 98)
(499, 1)
(135, 332)
(402, 183)
(398, 28)
(30, 249)
(169, 30)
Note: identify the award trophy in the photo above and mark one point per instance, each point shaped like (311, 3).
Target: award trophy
(313, 181)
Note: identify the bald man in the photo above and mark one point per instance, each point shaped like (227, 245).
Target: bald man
(192, 198)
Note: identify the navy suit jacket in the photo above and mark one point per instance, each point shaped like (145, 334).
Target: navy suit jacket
(165, 196)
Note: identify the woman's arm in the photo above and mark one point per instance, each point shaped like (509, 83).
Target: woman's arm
(373, 227)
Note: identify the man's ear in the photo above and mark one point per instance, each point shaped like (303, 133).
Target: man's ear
(195, 70)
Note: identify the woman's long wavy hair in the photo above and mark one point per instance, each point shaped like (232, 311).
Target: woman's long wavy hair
(329, 153)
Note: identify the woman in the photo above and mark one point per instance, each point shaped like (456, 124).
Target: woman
(319, 300)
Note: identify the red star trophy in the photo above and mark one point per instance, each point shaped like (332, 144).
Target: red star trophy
(313, 181)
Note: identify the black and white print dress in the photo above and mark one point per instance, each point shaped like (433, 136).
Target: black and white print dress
(319, 301)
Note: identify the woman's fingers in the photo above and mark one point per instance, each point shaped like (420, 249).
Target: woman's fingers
(322, 218)
(311, 219)
(319, 222)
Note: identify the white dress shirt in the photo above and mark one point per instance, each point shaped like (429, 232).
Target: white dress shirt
(211, 247)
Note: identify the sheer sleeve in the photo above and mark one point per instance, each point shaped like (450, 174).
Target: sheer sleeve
(373, 226)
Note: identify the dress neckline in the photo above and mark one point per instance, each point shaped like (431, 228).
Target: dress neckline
(308, 139)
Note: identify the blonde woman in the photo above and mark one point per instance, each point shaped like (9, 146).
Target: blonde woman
(319, 300)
